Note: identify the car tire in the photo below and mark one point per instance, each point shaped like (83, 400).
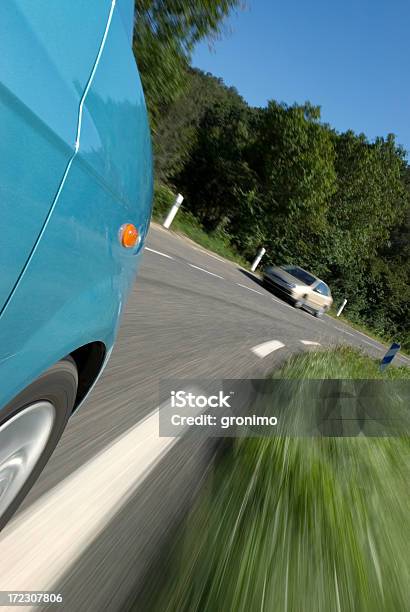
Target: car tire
(30, 427)
(319, 313)
(298, 304)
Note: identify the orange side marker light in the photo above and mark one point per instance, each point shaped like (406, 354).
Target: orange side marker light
(129, 235)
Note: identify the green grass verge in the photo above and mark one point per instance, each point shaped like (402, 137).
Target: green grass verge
(185, 223)
(365, 330)
(296, 524)
(341, 363)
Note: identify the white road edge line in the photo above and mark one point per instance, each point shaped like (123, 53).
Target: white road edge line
(50, 535)
(266, 348)
(379, 346)
(282, 303)
(158, 253)
(376, 346)
(249, 288)
(310, 343)
(206, 271)
(209, 255)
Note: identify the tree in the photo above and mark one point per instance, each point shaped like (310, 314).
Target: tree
(369, 203)
(217, 171)
(165, 33)
(177, 130)
(293, 158)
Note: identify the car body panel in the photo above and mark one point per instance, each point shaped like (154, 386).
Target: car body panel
(126, 10)
(47, 52)
(118, 157)
(297, 291)
(78, 278)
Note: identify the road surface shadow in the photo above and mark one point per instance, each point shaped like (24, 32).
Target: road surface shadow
(259, 282)
(251, 276)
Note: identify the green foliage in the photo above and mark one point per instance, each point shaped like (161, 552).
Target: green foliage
(162, 69)
(164, 35)
(293, 158)
(177, 131)
(217, 171)
(163, 200)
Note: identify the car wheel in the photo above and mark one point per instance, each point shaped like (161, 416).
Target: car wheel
(298, 304)
(30, 428)
(319, 313)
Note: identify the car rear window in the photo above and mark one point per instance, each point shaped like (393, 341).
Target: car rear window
(300, 274)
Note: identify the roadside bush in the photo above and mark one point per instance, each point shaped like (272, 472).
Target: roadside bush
(163, 200)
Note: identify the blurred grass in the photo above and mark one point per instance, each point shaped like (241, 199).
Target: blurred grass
(296, 524)
(340, 363)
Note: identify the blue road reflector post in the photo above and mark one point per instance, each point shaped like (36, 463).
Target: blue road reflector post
(389, 356)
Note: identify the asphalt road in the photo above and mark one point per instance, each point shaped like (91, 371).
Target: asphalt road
(113, 490)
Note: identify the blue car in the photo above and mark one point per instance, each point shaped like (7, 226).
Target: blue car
(75, 206)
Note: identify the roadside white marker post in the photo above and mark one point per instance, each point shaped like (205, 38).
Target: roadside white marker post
(174, 209)
(389, 356)
(257, 259)
(339, 312)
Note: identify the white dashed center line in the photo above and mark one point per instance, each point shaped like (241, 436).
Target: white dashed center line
(310, 343)
(158, 253)
(249, 288)
(262, 350)
(206, 271)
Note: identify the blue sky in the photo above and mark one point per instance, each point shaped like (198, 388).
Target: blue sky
(350, 57)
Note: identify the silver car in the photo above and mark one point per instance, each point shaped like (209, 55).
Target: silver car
(300, 287)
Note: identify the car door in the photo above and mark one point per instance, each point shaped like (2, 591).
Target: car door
(47, 51)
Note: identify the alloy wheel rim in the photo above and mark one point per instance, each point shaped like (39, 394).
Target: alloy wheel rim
(23, 439)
